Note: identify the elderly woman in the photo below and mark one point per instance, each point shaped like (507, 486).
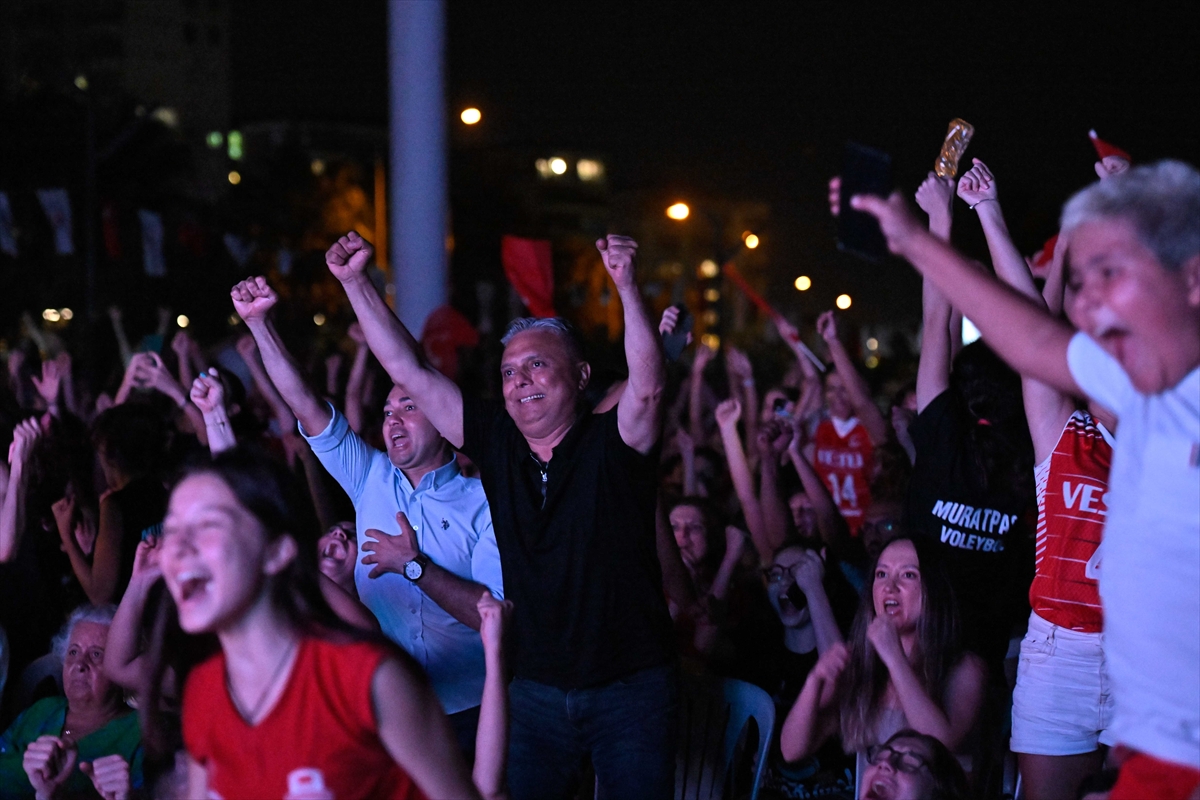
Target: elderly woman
(65, 746)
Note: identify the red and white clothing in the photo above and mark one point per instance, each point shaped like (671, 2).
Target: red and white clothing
(845, 458)
(319, 742)
(1071, 487)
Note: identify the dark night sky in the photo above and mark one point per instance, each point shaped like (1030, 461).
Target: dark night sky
(755, 101)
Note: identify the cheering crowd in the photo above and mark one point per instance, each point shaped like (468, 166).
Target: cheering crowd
(389, 588)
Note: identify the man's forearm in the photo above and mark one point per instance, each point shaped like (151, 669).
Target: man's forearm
(643, 348)
(456, 596)
(285, 376)
(1024, 335)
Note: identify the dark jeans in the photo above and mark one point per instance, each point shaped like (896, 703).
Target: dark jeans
(628, 728)
(465, 724)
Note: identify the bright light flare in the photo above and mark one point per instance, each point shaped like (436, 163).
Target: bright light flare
(235, 177)
(803, 283)
(182, 321)
(750, 240)
(843, 301)
(709, 268)
(678, 211)
(51, 315)
(318, 319)
(470, 116)
(558, 166)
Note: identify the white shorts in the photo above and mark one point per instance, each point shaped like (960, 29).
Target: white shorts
(1062, 704)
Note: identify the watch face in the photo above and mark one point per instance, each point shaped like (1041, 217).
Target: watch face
(413, 570)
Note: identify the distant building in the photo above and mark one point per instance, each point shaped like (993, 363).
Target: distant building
(170, 56)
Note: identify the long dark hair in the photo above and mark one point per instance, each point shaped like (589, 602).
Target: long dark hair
(1001, 459)
(714, 533)
(938, 648)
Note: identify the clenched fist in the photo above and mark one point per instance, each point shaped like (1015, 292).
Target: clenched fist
(620, 256)
(253, 298)
(347, 259)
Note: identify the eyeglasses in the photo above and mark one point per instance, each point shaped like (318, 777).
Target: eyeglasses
(904, 761)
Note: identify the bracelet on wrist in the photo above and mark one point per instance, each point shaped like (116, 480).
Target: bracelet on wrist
(984, 200)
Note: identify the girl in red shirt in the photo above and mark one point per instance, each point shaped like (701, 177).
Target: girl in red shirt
(295, 705)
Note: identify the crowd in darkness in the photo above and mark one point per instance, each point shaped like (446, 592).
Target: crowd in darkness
(223, 578)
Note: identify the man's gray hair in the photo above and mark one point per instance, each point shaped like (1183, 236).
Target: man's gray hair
(85, 613)
(1160, 200)
(556, 325)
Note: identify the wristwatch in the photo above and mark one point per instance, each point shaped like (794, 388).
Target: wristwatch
(414, 570)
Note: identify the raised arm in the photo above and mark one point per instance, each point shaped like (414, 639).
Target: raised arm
(357, 381)
(12, 510)
(1021, 332)
(1046, 408)
(810, 386)
(728, 413)
(696, 393)
(639, 412)
(830, 523)
(814, 716)
(285, 418)
(856, 388)
(208, 395)
(253, 300)
(771, 441)
(491, 734)
(399, 353)
(124, 663)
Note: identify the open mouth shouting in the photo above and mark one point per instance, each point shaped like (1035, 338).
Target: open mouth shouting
(891, 607)
(193, 586)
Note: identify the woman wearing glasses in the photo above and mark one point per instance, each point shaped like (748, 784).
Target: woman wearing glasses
(902, 669)
(912, 766)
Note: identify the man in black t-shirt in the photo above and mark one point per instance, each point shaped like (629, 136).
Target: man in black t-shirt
(572, 496)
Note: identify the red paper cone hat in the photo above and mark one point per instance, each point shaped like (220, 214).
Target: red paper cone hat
(1104, 149)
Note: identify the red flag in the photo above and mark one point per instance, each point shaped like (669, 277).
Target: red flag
(445, 331)
(529, 267)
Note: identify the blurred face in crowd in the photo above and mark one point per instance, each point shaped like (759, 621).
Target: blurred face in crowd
(687, 523)
(337, 552)
(413, 444)
(881, 524)
(541, 382)
(898, 771)
(83, 664)
(216, 557)
(779, 581)
(837, 400)
(803, 515)
(1145, 316)
(896, 587)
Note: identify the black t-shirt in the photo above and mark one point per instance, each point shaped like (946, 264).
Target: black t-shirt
(582, 570)
(984, 533)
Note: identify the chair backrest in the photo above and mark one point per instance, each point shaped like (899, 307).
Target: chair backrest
(713, 713)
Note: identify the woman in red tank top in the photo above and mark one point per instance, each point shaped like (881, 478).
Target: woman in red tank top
(296, 704)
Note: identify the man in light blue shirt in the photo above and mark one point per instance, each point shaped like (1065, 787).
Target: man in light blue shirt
(424, 527)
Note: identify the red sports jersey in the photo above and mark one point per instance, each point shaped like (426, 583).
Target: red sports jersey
(845, 463)
(1071, 486)
(319, 742)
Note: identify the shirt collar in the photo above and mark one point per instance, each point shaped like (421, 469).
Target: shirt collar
(432, 480)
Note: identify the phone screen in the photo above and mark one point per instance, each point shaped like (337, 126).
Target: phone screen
(865, 170)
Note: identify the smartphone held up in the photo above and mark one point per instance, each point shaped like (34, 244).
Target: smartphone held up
(865, 170)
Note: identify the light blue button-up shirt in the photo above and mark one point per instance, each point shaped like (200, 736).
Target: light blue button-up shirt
(450, 515)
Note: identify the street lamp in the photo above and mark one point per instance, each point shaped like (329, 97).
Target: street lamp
(843, 301)
(750, 240)
(803, 283)
(678, 211)
(470, 116)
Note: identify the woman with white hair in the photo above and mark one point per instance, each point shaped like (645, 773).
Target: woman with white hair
(64, 746)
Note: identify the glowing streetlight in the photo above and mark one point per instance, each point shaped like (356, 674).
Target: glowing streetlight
(843, 301)
(470, 116)
(872, 343)
(803, 283)
(235, 177)
(182, 321)
(318, 319)
(678, 211)
(712, 295)
(709, 268)
(66, 313)
(51, 315)
(558, 166)
(711, 341)
(750, 240)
